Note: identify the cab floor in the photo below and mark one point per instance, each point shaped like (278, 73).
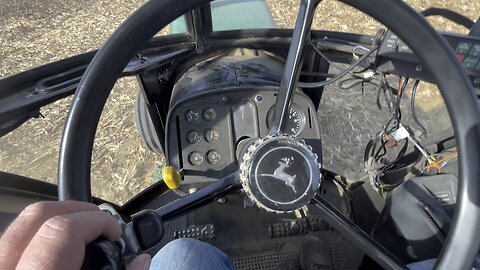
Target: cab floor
(245, 237)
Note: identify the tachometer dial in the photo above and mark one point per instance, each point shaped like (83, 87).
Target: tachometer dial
(295, 120)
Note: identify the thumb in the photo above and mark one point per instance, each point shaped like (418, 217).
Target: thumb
(141, 262)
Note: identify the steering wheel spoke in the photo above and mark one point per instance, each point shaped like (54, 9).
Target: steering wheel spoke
(202, 197)
(301, 35)
(357, 236)
(146, 228)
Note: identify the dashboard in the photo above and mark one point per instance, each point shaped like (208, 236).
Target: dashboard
(208, 128)
(394, 56)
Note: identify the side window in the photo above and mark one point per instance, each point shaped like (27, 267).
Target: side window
(42, 32)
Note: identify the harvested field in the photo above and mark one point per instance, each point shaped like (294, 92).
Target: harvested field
(33, 33)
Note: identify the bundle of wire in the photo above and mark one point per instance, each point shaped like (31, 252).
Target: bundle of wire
(440, 160)
(375, 163)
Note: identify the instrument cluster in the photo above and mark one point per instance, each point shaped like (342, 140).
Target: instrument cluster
(205, 131)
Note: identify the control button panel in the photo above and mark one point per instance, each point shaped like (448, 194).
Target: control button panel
(468, 54)
(392, 48)
(206, 130)
(392, 43)
(205, 135)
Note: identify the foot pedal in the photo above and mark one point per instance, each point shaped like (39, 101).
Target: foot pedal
(199, 232)
(297, 227)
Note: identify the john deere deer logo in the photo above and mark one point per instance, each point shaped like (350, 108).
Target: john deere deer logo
(281, 175)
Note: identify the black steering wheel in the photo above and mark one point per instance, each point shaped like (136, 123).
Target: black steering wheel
(464, 237)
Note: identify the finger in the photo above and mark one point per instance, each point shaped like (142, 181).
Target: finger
(60, 242)
(23, 228)
(141, 262)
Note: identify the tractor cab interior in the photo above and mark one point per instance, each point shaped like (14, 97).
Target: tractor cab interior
(235, 112)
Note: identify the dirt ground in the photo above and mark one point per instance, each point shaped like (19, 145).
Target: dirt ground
(33, 33)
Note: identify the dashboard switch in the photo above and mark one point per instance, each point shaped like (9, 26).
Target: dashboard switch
(213, 157)
(193, 137)
(195, 158)
(192, 116)
(212, 135)
(470, 62)
(463, 48)
(475, 51)
(209, 114)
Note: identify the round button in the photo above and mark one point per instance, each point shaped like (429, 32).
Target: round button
(193, 137)
(192, 115)
(212, 135)
(213, 157)
(195, 158)
(209, 114)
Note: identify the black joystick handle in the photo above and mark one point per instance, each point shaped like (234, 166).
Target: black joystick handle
(102, 254)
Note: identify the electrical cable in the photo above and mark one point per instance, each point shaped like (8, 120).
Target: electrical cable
(387, 92)
(376, 148)
(413, 107)
(338, 76)
(356, 79)
(332, 64)
(389, 166)
(379, 106)
(450, 15)
(354, 82)
(438, 163)
(401, 90)
(317, 74)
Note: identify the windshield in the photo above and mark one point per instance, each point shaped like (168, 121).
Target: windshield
(34, 33)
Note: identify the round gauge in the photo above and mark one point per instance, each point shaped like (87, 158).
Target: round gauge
(295, 120)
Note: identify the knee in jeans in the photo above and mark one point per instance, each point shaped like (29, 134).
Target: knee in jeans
(187, 253)
(184, 245)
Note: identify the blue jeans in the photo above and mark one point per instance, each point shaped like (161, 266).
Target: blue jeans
(423, 265)
(187, 253)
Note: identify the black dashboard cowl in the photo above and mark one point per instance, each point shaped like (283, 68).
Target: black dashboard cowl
(240, 69)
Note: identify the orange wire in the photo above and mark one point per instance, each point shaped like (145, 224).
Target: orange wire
(436, 164)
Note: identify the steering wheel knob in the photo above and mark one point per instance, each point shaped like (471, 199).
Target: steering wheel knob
(280, 173)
